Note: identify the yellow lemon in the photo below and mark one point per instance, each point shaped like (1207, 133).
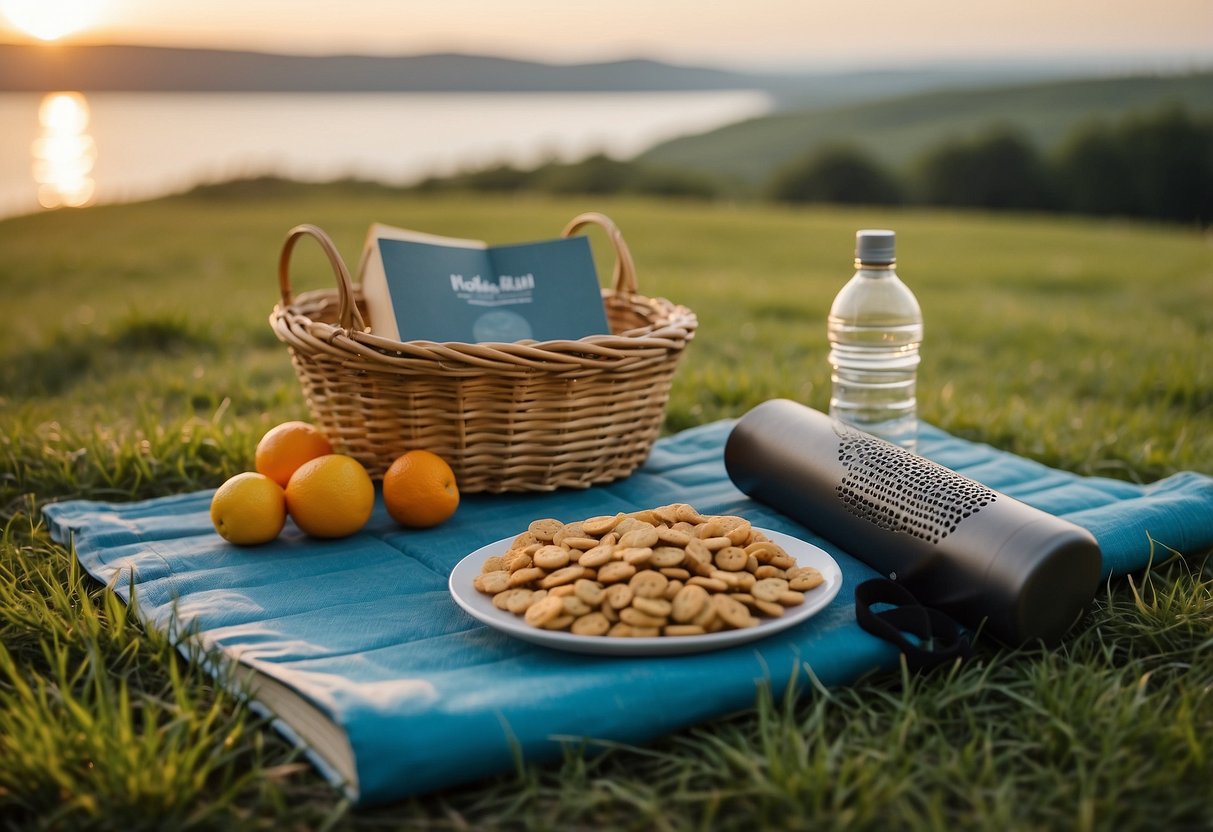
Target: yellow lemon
(249, 509)
(419, 489)
(287, 446)
(330, 496)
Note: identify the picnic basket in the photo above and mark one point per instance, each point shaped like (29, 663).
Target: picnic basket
(525, 416)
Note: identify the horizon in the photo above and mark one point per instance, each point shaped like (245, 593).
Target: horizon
(751, 36)
(1095, 63)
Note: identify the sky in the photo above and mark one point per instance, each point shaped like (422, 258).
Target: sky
(746, 34)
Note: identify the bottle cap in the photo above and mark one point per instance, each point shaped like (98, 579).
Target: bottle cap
(875, 245)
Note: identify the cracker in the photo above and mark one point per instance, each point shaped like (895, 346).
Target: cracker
(641, 536)
(656, 607)
(618, 596)
(633, 616)
(689, 602)
(589, 591)
(575, 606)
(597, 556)
(635, 555)
(733, 612)
(592, 624)
(525, 576)
(544, 530)
(667, 557)
(807, 580)
(494, 582)
(616, 571)
(598, 526)
(769, 589)
(551, 557)
(544, 611)
(502, 599)
(521, 599)
(560, 622)
(731, 559)
(562, 576)
(648, 584)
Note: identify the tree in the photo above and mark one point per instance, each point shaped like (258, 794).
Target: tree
(840, 174)
(999, 169)
(599, 174)
(1095, 173)
(1172, 164)
(1158, 166)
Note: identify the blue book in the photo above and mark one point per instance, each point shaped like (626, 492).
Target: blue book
(421, 287)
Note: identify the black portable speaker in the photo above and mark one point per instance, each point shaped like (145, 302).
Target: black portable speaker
(982, 557)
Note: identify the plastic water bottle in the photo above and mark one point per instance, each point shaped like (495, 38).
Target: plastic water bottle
(875, 328)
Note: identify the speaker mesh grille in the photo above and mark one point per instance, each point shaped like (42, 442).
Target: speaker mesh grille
(896, 490)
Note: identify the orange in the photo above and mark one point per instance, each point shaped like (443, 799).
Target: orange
(285, 447)
(419, 489)
(330, 496)
(249, 509)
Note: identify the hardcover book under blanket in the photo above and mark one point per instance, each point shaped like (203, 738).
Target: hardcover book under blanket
(363, 654)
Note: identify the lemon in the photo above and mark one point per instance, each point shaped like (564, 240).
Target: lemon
(248, 509)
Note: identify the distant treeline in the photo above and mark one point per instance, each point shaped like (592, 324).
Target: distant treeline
(1156, 166)
(596, 175)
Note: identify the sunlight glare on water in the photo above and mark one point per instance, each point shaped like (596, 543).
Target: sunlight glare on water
(64, 152)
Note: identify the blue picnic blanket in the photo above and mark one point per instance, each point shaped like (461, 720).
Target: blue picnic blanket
(364, 628)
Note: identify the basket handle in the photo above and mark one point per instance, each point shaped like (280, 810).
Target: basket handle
(348, 316)
(624, 277)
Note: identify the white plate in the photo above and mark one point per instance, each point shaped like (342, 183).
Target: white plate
(480, 606)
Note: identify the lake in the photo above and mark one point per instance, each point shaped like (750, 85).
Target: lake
(72, 149)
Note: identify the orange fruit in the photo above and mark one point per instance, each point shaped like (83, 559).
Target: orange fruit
(330, 496)
(249, 509)
(419, 489)
(285, 447)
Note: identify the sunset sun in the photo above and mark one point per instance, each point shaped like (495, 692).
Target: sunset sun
(49, 19)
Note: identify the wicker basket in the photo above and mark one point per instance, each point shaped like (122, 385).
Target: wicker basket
(527, 416)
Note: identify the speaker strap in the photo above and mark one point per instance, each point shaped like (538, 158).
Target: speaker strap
(937, 637)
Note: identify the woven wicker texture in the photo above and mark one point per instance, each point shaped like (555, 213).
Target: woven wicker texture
(526, 416)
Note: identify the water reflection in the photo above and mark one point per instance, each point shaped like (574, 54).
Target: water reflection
(64, 152)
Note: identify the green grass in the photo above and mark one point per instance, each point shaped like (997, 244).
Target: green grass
(137, 361)
(899, 130)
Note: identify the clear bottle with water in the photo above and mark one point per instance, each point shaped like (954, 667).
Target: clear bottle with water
(875, 328)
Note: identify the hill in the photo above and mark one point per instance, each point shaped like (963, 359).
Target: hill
(98, 68)
(113, 67)
(896, 130)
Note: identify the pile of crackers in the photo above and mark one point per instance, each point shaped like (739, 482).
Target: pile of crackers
(666, 571)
